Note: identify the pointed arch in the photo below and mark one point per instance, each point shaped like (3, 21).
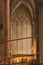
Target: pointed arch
(26, 4)
(22, 28)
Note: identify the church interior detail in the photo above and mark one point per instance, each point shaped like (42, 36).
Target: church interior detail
(21, 32)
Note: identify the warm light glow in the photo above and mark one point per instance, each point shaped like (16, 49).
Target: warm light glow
(24, 59)
(34, 48)
(21, 28)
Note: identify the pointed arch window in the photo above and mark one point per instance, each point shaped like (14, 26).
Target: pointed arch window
(22, 30)
(21, 27)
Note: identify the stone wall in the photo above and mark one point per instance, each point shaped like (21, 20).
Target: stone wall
(41, 33)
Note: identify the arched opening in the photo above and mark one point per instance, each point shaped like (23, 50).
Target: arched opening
(21, 32)
(21, 27)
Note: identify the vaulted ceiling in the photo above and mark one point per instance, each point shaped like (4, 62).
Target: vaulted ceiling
(28, 3)
(14, 2)
(35, 3)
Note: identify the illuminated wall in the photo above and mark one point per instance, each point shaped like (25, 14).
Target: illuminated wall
(21, 27)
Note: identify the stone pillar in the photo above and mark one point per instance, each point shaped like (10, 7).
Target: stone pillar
(8, 27)
(7, 30)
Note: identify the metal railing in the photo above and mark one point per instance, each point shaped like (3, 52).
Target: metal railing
(11, 57)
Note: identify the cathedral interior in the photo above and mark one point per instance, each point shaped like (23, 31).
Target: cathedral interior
(21, 32)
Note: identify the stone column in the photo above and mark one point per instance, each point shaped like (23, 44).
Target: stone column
(8, 27)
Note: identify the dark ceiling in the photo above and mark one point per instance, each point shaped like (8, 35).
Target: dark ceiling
(38, 2)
